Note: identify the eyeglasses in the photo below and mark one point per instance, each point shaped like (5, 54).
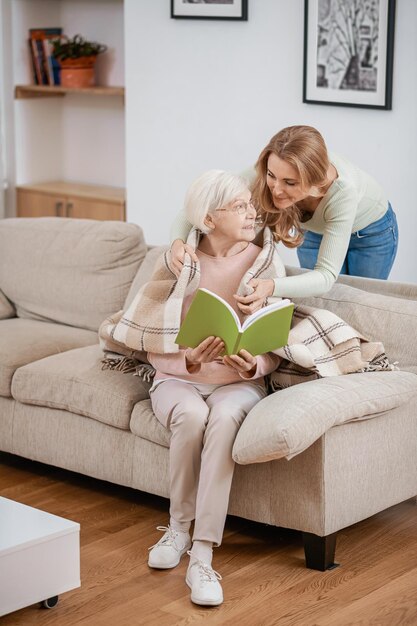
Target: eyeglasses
(240, 208)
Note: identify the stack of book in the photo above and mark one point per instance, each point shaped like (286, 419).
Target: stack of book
(45, 68)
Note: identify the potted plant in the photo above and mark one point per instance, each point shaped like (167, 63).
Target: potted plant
(76, 57)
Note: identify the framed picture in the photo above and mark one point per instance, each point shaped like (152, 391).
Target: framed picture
(210, 9)
(349, 52)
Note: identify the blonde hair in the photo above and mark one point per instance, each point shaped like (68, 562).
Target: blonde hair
(304, 149)
(211, 191)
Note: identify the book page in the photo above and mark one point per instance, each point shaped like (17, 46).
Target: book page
(264, 311)
(267, 332)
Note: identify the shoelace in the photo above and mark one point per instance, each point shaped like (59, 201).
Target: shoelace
(207, 573)
(169, 540)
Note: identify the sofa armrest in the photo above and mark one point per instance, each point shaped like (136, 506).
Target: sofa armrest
(288, 421)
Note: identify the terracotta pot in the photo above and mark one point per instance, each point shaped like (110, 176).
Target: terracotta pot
(78, 72)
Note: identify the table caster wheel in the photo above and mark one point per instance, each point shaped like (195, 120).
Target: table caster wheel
(50, 603)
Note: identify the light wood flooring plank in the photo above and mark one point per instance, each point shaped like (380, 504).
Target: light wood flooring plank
(264, 577)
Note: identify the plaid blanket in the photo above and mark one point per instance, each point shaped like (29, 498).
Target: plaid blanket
(320, 343)
(152, 322)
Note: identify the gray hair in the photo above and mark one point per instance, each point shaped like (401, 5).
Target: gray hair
(211, 191)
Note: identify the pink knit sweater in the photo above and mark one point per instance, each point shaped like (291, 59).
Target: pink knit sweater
(222, 275)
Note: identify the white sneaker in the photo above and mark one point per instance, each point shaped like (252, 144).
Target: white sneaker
(170, 548)
(203, 581)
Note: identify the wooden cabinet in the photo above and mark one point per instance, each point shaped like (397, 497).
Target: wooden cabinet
(61, 199)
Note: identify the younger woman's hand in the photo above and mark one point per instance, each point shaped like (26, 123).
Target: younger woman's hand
(263, 288)
(178, 250)
(206, 352)
(244, 363)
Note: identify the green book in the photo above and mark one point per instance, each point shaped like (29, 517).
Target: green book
(210, 315)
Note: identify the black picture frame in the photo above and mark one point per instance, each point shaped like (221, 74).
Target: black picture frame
(211, 10)
(349, 53)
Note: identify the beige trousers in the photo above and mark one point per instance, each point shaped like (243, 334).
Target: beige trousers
(203, 429)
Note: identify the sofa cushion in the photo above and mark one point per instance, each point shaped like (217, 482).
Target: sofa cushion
(144, 424)
(75, 272)
(74, 381)
(289, 421)
(379, 317)
(23, 341)
(144, 273)
(7, 309)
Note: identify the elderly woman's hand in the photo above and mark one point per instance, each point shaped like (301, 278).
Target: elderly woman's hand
(244, 363)
(207, 351)
(178, 250)
(262, 289)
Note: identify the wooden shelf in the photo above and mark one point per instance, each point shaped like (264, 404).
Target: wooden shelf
(49, 91)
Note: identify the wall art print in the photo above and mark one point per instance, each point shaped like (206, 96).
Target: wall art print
(210, 9)
(348, 52)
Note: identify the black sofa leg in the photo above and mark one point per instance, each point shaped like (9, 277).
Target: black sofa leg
(320, 551)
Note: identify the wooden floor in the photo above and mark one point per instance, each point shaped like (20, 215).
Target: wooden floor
(265, 581)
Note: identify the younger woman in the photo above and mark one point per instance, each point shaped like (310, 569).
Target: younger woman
(337, 216)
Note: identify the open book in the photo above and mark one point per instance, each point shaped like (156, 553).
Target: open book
(210, 315)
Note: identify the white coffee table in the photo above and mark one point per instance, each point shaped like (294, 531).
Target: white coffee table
(39, 556)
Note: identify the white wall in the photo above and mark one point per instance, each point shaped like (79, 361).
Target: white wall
(3, 171)
(203, 94)
(95, 151)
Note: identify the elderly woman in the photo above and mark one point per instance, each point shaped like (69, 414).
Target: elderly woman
(202, 397)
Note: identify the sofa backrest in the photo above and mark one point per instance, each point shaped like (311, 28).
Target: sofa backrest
(406, 291)
(380, 310)
(70, 271)
(144, 272)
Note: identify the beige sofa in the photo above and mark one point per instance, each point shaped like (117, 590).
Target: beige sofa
(351, 441)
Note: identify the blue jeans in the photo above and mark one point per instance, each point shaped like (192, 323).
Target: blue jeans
(371, 251)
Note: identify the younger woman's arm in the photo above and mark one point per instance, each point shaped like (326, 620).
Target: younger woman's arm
(180, 227)
(338, 221)
(179, 235)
